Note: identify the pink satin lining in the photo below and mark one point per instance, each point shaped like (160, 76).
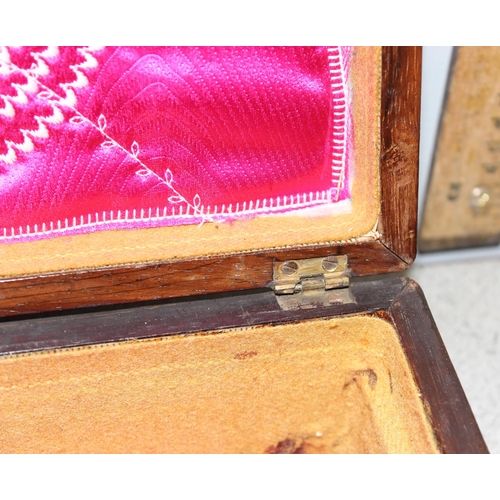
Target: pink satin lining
(131, 137)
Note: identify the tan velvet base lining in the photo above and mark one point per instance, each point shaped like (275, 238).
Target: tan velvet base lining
(108, 248)
(322, 386)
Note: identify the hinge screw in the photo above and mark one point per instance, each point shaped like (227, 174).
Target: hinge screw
(330, 264)
(289, 267)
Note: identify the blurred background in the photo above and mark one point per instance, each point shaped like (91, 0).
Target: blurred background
(462, 286)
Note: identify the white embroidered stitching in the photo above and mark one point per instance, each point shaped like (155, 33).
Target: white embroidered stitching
(145, 171)
(315, 199)
(69, 101)
(337, 71)
(40, 68)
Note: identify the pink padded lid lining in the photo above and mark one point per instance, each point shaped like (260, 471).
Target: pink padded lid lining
(134, 137)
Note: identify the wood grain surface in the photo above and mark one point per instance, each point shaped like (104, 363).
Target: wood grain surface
(55, 292)
(176, 316)
(454, 424)
(393, 252)
(399, 135)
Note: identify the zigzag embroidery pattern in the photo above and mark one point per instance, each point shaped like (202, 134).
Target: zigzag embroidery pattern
(26, 91)
(40, 68)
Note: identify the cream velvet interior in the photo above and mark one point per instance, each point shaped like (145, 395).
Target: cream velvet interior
(111, 248)
(339, 385)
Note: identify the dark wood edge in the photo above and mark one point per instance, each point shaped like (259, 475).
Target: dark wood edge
(399, 135)
(178, 316)
(122, 285)
(449, 411)
(160, 280)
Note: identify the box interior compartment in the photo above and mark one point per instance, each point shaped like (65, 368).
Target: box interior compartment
(338, 385)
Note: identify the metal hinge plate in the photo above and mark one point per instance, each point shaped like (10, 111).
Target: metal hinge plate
(325, 273)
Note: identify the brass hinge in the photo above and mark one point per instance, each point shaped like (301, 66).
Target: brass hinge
(324, 273)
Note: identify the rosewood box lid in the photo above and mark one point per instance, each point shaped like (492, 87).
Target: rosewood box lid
(116, 165)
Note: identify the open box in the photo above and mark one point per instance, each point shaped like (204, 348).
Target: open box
(315, 363)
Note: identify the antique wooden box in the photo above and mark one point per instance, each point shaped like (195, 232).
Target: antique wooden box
(229, 319)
